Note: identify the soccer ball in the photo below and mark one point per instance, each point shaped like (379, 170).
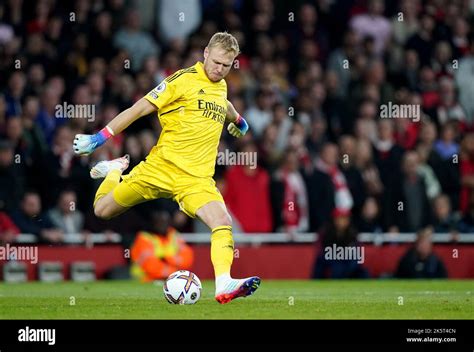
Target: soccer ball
(182, 287)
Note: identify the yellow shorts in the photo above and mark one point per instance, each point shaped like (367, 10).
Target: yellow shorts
(161, 179)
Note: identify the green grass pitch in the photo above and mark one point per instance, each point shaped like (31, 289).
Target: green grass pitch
(371, 299)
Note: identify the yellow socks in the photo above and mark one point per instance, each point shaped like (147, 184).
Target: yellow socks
(110, 182)
(222, 250)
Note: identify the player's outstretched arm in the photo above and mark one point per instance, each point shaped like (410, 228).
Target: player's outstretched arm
(237, 126)
(85, 144)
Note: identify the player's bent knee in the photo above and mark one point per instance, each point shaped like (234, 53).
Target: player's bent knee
(225, 220)
(107, 208)
(103, 211)
(100, 211)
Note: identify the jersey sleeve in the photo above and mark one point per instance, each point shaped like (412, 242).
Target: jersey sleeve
(169, 90)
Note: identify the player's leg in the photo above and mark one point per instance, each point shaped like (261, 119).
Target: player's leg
(107, 208)
(215, 215)
(111, 170)
(113, 197)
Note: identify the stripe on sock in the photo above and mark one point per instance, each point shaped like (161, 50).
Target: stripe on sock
(222, 228)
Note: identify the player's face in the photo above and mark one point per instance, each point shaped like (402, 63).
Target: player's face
(217, 63)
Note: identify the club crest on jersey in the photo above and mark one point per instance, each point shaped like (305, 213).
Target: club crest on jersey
(160, 89)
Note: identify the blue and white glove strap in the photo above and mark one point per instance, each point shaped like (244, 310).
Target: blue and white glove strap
(241, 124)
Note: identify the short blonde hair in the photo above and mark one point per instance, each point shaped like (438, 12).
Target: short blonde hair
(226, 41)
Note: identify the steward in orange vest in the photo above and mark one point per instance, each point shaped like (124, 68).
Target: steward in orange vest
(157, 254)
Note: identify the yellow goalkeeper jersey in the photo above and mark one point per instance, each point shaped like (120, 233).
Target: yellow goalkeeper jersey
(192, 111)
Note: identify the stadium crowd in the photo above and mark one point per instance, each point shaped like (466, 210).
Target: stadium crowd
(311, 80)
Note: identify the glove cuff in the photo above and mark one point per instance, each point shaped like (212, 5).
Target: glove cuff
(102, 136)
(106, 132)
(241, 124)
(239, 121)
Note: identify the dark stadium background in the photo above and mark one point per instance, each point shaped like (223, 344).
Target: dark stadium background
(310, 81)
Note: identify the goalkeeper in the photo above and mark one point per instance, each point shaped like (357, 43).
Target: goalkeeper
(192, 107)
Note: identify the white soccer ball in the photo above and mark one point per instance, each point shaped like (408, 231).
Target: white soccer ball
(182, 287)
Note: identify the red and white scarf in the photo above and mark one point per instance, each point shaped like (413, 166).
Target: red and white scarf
(343, 198)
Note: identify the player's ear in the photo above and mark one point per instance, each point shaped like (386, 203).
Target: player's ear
(206, 52)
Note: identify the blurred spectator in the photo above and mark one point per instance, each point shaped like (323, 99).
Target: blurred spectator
(423, 41)
(268, 154)
(387, 154)
(427, 138)
(410, 69)
(342, 55)
(3, 110)
(464, 76)
(289, 197)
(321, 198)
(8, 230)
(12, 178)
(65, 216)
(375, 85)
(134, 150)
(335, 108)
(283, 125)
(296, 141)
(373, 24)
(328, 163)
(449, 109)
(406, 132)
(402, 29)
(48, 118)
(355, 181)
(433, 187)
(259, 115)
(369, 171)
(147, 140)
(445, 221)
(446, 146)
(14, 133)
(442, 67)
(101, 36)
(367, 114)
(370, 219)
(33, 135)
(159, 252)
(429, 90)
(466, 224)
(467, 171)
(151, 67)
(36, 77)
(30, 219)
(407, 204)
(247, 194)
(139, 44)
(446, 171)
(186, 14)
(309, 36)
(6, 30)
(16, 86)
(62, 169)
(419, 262)
(317, 136)
(339, 234)
(459, 37)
